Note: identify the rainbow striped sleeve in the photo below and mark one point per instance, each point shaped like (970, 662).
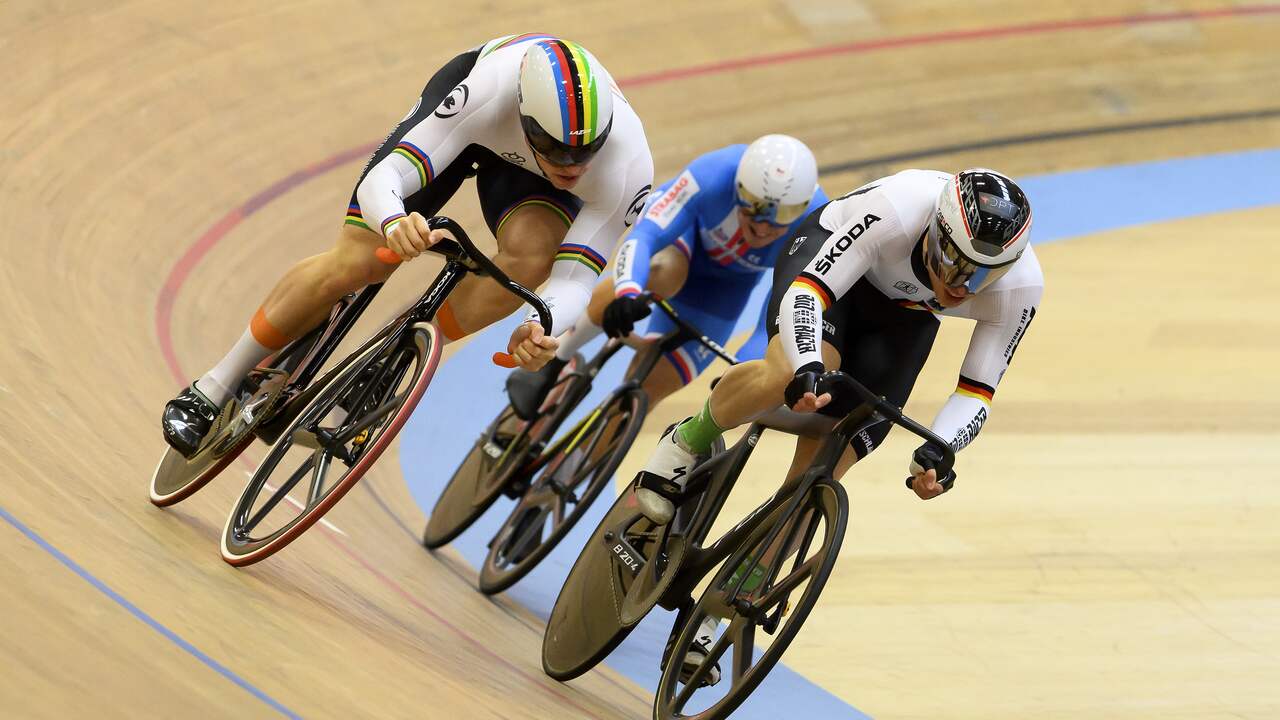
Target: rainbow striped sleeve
(355, 217)
(816, 286)
(974, 389)
(582, 254)
(417, 159)
(390, 223)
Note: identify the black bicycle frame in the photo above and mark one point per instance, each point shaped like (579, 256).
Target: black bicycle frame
(461, 257)
(715, 478)
(646, 360)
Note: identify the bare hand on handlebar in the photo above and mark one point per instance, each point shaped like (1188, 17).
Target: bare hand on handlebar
(411, 237)
(530, 347)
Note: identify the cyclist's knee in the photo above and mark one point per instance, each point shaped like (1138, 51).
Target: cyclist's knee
(601, 296)
(668, 271)
(352, 264)
(775, 372)
(527, 242)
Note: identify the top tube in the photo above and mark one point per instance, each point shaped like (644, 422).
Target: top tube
(688, 329)
(464, 252)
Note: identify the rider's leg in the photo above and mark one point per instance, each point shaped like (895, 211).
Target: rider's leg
(668, 270)
(746, 391)
(527, 240)
(300, 300)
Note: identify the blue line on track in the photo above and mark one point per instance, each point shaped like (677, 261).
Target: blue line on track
(144, 617)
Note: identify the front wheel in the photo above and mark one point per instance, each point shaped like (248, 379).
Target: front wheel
(573, 473)
(351, 420)
(501, 452)
(758, 600)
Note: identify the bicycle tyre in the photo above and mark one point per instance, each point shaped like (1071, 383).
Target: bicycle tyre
(483, 475)
(830, 500)
(421, 340)
(497, 575)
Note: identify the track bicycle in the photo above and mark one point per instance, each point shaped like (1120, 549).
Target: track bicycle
(554, 481)
(331, 429)
(766, 572)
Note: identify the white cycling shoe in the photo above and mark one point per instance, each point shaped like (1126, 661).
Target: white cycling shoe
(668, 469)
(698, 652)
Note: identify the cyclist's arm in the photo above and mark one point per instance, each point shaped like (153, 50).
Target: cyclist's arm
(668, 219)
(427, 148)
(590, 240)
(846, 256)
(1003, 319)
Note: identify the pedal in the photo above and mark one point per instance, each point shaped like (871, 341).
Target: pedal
(362, 438)
(515, 489)
(771, 623)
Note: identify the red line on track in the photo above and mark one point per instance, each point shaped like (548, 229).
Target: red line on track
(868, 46)
(190, 259)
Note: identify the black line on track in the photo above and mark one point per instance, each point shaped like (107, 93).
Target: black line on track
(1013, 140)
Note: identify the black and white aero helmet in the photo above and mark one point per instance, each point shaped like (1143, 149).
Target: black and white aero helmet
(980, 228)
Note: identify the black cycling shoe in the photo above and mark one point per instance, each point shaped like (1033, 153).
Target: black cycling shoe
(527, 389)
(187, 419)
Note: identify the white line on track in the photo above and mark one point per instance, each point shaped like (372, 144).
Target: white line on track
(300, 506)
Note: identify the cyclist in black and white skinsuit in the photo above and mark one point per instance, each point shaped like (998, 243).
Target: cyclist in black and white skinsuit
(860, 289)
(528, 116)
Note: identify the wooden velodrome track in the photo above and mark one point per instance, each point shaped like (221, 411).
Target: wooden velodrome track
(1113, 552)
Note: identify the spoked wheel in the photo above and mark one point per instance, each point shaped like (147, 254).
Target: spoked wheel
(759, 609)
(331, 443)
(573, 473)
(500, 451)
(176, 477)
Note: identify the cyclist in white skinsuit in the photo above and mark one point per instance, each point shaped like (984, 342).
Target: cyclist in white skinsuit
(610, 191)
(859, 289)
(562, 169)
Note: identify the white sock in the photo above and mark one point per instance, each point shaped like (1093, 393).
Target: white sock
(582, 332)
(222, 380)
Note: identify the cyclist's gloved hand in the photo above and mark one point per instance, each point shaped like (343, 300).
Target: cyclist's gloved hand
(805, 382)
(621, 314)
(931, 474)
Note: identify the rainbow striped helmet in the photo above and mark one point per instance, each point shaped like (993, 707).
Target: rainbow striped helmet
(566, 101)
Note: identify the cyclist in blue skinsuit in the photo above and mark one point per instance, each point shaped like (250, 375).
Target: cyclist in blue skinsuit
(705, 239)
